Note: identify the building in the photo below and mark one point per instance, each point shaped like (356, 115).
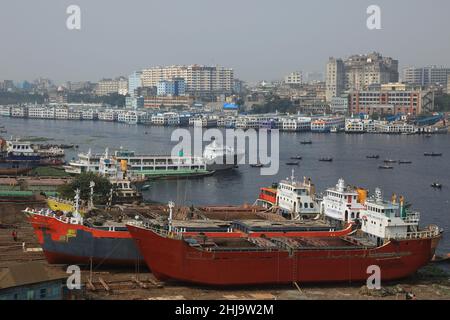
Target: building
(335, 80)
(362, 71)
(426, 76)
(448, 84)
(107, 86)
(32, 281)
(134, 102)
(175, 87)
(168, 102)
(295, 77)
(392, 99)
(200, 80)
(134, 82)
(339, 105)
(122, 86)
(58, 97)
(359, 72)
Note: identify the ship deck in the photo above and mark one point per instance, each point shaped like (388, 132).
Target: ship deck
(278, 244)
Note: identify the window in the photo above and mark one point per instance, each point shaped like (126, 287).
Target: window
(43, 293)
(30, 295)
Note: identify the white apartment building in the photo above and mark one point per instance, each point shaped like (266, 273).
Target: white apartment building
(426, 76)
(335, 79)
(199, 79)
(295, 77)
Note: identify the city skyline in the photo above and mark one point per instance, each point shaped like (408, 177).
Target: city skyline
(119, 38)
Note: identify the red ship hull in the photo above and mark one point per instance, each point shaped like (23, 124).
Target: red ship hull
(174, 259)
(65, 243)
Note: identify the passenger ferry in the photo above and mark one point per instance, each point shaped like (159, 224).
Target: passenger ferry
(343, 203)
(326, 124)
(215, 157)
(291, 198)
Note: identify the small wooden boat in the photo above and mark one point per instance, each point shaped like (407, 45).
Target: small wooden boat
(374, 156)
(390, 161)
(257, 165)
(404, 162)
(306, 142)
(292, 163)
(432, 154)
(436, 185)
(326, 159)
(296, 158)
(385, 167)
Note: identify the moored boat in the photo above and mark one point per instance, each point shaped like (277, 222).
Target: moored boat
(399, 249)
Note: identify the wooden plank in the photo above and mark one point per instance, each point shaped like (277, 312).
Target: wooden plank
(104, 284)
(90, 285)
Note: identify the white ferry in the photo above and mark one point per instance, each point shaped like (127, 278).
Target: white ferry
(291, 198)
(343, 203)
(219, 157)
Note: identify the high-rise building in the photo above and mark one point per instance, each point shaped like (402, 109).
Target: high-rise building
(335, 82)
(200, 80)
(359, 72)
(295, 77)
(134, 82)
(426, 76)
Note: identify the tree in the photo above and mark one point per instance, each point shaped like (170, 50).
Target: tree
(102, 188)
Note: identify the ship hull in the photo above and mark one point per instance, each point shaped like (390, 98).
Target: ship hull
(173, 259)
(64, 243)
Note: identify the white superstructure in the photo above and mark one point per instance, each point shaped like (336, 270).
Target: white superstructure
(297, 198)
(341, 203)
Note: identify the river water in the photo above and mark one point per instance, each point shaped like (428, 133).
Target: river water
(242, 185)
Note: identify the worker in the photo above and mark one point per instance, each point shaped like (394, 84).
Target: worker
(14, 235)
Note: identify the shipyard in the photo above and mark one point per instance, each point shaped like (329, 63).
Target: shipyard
(213, 160)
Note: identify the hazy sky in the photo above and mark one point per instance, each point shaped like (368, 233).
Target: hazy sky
(260, 39)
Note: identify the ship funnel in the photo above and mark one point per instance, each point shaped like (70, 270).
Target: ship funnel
(394, 198)
(340, 185)
(378, 195)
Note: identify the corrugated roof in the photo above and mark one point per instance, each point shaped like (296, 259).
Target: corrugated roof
(25, 274)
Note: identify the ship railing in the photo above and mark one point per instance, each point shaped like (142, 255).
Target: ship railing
(432, 232)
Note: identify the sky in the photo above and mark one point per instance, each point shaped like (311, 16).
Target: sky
(259, 39)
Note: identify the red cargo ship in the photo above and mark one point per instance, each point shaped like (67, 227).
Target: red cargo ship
(238, 261)
(398, 248)
(67, 240)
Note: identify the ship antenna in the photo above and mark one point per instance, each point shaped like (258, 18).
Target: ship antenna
(77, 200)
(91, 197)
(171, 205)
